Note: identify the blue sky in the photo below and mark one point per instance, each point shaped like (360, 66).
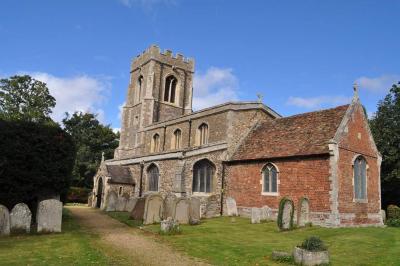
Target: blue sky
(301, 55)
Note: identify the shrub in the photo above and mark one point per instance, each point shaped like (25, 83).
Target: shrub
(313, 243)
(393, 222)
(393, 212)
(280, 213)
(78, 194)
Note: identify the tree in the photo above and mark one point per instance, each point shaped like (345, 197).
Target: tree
(91, 139)
(385, 127)
(24, 98)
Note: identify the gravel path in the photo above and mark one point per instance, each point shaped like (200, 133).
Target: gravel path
(131, 242)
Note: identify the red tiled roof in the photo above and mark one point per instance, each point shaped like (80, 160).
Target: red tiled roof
(303, 134)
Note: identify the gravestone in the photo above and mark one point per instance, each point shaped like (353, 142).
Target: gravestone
(304, 212)
(181, 213)
(194, 210)
(20, 218)
(49, 216)
(138, 210)
(130, 204)
(266, 213)
(4, 221)
(169, 205)
(112, 200)
(153, 209)
(169, 225)
(286, 217)
(255, 215)
(212, 206)
(90, 199)
(231, 207)
(121, 204)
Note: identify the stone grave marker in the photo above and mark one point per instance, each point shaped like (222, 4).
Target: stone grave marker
(130, 204)
(90, 200)
(121, 204)
(138, 210)
(212, 206)
(111, 203)
(194, 210)
(255, 215)
(266, 213)
(168, 225)
(287, 209)
(304, 212)
(153, 209)
(231, 207)
(169, 205)
(4, 221)
(49, 216)
(181, 213)
(20, 218)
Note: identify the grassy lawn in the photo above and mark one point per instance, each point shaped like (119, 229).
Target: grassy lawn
(222, 241)
(71, 247)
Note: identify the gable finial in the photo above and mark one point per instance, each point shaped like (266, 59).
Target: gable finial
(102, 156)
(260, 97)
(355, 88)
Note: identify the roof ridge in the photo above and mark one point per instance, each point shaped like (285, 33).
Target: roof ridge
(313, 112)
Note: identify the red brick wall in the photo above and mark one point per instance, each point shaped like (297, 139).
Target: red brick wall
(357, 140)
(305, 177)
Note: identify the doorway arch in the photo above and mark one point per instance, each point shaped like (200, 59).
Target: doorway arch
(99, 195)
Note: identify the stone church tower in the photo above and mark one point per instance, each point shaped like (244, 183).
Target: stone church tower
(160, 88)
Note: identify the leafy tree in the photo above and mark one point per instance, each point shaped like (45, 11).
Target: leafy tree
(24, 98)
(385, 126)
(91, 139)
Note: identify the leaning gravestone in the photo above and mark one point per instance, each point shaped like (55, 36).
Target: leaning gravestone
(138, 211)
(169, 205)
(255, 215)
(181, 213)
(20, 218)
(121, 204)
(49, 216)
(265, 213)
(194, 211)
(130, 204)
(286, 216)
(111, 203)
(304, 212)
(153, 209)
(4, 221)
(231, 207)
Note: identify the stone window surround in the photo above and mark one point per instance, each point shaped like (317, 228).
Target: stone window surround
(277, 180)
(174, 138)
(178, 89)
(213, 178)
(366, 179)
(155, 143)
(198, 134)
(146, 183)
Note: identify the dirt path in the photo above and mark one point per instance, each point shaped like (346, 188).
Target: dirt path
(129, 241)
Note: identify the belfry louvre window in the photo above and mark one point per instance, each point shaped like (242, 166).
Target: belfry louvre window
(155, 143)
(177, 139)
(360, 178)
(270, 178)
(153, 176)
(203, 134)
(203, 172)
(139, 88)
(170, 89)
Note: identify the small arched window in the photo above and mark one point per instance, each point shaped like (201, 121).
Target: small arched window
(270, 178)
(139, 88)
(177, 139)
(203, 172)
(155, 143)
(203, 134)
(153, 176)
(360, 178)
(170, 89)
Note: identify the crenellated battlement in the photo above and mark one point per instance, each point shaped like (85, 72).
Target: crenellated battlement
(165, 57)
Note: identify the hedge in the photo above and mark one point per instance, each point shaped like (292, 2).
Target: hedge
(393, 212)
(78, 195)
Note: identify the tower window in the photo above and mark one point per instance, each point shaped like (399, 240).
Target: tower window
(139, 89)
(170, 89)
(202, 134)
(155, 143)
(177, 139)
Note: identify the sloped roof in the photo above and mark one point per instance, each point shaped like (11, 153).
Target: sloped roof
(303, 134)
(119, 174)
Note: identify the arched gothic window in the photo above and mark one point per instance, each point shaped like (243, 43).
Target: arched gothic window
(177, 139)
(139, 88)
(360, 178)
(270, 178)
(203, 134)
(203, 172)
(155, 143)
(170, 89)
(153, 176)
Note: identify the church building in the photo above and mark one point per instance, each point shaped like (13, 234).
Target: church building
(243, 150)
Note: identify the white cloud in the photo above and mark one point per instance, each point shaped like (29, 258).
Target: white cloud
(378, 84)
(317, 102)
(79, 93)
(147, 4)
(121, 108)
(216, 86)
(116, 130)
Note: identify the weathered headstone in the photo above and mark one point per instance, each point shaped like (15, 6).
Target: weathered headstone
(194, 210)
(138, 210)
(231, 207)
(304, 212)
(4, 221)
(90, 199)
(169, 205)
(121, 204)
(49, 216)
(212, 206)
(286, 216)
(111, 202)
(255, 215)
(169, 225)
(130, 204)
(20, 218)
(153, 209)
(265, 213)
(181, 213)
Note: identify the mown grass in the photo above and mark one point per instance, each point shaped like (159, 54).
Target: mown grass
(71, 247)
(227, 241)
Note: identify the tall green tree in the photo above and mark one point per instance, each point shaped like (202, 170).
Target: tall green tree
(24, 98)
(91, 139)
(385, 126)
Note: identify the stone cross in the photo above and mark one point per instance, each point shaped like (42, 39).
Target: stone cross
(260, 97)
